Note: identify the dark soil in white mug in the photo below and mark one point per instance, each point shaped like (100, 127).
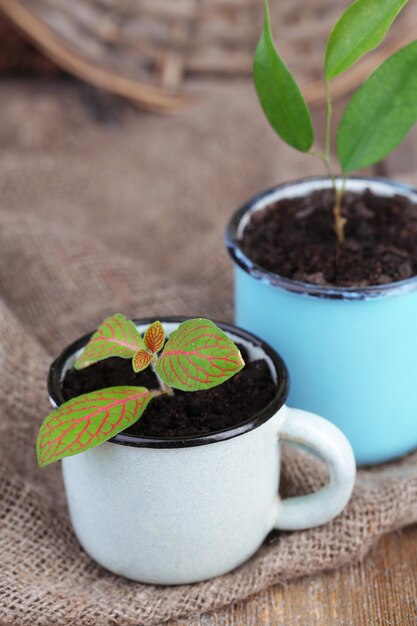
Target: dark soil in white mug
(295, 239)
(185, 413)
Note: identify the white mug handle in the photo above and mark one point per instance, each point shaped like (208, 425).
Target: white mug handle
(331, 445)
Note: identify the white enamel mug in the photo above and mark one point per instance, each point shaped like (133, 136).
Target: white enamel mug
(181, 510)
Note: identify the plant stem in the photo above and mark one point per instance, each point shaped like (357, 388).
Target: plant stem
(327, 164)
(165, 388)
(329, 111)
(339, 220)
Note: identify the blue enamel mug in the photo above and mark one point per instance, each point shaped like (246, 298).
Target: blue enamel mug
(351, 352)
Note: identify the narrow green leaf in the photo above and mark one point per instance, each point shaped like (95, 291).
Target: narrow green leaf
(198, 355)
(360, 29)
(117, 336)
(381, 112)
(279, 94)
(89, 420)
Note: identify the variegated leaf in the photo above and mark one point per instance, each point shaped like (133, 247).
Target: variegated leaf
(154, 337)
(141, 360)
(116, 336)
(198, 355)
(89, 420)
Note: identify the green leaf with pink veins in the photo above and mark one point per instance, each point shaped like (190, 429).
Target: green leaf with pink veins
(117, 336)
(198, 355)
(154, 337)
(89, 420)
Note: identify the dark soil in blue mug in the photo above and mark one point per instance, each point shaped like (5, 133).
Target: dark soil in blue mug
(295, 238)
(186, 413)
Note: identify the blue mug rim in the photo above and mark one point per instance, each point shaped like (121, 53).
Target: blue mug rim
(56, 397)
(232, 242)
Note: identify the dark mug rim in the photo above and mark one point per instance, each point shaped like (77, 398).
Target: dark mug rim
(56, 397)
(257, 272)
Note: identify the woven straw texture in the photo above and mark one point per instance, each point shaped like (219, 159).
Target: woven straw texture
(129, 217)
(17, 54)
(152, 51)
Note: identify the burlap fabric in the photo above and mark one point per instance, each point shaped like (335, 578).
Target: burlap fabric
(129, 216)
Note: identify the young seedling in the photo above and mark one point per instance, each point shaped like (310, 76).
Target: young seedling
(198, 355)
(378, 116)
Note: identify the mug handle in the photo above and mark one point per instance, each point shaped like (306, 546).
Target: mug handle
(314, 509)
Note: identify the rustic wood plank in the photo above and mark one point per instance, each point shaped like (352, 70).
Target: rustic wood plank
(380, 590)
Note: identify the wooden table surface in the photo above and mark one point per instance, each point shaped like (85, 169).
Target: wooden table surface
(379, 591)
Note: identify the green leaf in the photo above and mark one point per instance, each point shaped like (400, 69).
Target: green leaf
(89, 420)
(361, 28)
(198, 355)
(141, 360)
(279, 94)
(381, 112)
(117, 336)
(154, 337)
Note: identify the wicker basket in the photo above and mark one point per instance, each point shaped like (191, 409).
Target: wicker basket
(151, 51)
(19, 55)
